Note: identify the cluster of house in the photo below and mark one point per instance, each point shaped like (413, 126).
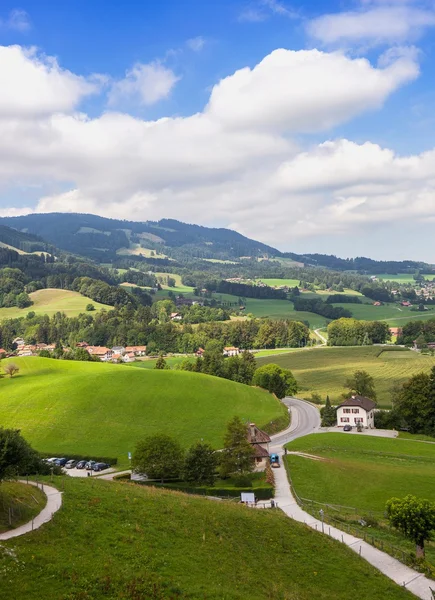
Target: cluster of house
(115, 354)
(227, 351)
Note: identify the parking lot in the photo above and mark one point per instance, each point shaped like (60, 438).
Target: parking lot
(80, 468)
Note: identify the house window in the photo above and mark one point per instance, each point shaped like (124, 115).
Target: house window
(355, 410)
(344, 420)
(358, 420)
(346, 410)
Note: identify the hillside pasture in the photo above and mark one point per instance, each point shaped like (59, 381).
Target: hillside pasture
(393, 314)
(113, 540)
(324, 370)
(103, 409)
(403, 277)
(50, 301)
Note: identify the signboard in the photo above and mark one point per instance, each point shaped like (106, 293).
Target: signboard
(247, 497)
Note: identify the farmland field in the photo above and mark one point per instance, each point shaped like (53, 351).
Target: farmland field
(363, 472)
(104, 409)
(113, 540)
(403, 277)
(324, 370)
(50, 301)
(278, 282)
(392, 313)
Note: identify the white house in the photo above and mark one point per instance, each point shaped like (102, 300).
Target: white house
(356, 409)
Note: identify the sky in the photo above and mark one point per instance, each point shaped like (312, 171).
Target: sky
(309, 126)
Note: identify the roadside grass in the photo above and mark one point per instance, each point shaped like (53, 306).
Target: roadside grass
(117, 540)
(50, 301)
(362, 472)
(19, 503)
(324, 370)
(103, 409)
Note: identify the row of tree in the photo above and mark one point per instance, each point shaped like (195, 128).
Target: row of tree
(320, 308)
(351, 332)
(162, 457)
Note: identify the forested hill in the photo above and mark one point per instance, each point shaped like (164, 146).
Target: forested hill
(167, 242)
(21, 241)
(100, 238)
(360, 263)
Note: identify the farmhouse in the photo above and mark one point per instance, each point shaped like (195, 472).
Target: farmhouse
(396, 331)
(231, 351)
(356, 410)
(260, 442)
(102, 352)
(136, 350)
(176, 316)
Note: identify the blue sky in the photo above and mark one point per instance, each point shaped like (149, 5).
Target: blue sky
(307, 125)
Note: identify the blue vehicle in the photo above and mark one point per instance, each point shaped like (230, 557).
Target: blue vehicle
(274, 461)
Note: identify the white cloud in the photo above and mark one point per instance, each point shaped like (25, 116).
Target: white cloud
(144, 83)
(196, 44)
(305, 91)
(33, 85)
(17, 20)
(234, 162)
(373, 23)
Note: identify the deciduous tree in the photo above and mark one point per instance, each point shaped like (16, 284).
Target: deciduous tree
(276, 380)
(363, 384)
(200, 464)
(11, 369)
(414, 517)
(158, 456)
(238, 454)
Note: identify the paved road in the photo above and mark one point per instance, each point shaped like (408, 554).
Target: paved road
(54, 502)
(305, 420)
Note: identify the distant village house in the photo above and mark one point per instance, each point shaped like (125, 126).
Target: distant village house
(356, 410)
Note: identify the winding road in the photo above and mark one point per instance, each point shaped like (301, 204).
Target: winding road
(305, 420)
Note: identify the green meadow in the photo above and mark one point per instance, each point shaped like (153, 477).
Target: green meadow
(324, 370)
(403, 277)
(116, 540)
(103, 409)
(50, 301)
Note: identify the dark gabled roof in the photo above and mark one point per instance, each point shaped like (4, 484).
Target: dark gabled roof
(260, 452)
(360, 401)
(259, 437)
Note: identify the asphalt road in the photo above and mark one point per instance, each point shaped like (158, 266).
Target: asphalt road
(305, 420)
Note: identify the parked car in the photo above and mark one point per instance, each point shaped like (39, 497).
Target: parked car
(61, 462)
(81, 464)
(70, 464)
(347, 428)
(90, 465)
(100, 466)
(51, 461)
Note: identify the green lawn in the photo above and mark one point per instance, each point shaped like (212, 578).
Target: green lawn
(83, 408)
(363, 472)
(19, 503)
(324, 370)
(114, 540)
(50, 301)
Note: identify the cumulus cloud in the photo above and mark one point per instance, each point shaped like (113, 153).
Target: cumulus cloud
(380, 22)
(144, 83)
(33, 85)
(305, 91)
(236, 162)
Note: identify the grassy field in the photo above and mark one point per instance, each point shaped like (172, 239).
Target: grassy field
(114, 540)
(19, 503)
(66, 407)
(392, 313)
(324, 370)
(179, 287)
(171, 361)
(51, 301)
(278, 282)
(403, 277)
(363, 472)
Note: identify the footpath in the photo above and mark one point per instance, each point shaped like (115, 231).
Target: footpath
(412, 580)
(54, 502)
